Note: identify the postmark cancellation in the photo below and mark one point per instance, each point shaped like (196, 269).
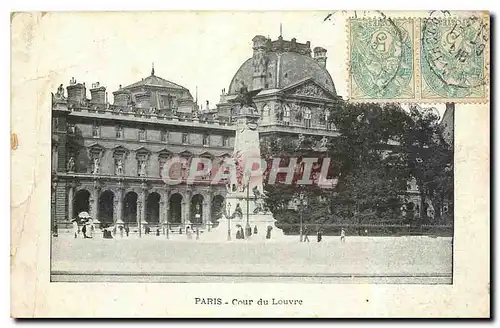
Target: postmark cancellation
(420, 59)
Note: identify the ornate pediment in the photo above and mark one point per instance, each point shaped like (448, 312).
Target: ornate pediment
(120, 151)
(142, 153)
(164, 153)
(206, 154)
(309, 88)
(95, 150)
(186, 154)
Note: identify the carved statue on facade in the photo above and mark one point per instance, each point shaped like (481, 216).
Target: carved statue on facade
(301, 140)
(279, 113)
(259, 201)
(119, 167)
(142, 168)
(162, 165)
(327, 115)
(60, 93)
(323, 142)
(71, 164)
(95, 167)
(310, 90)
(245, 97)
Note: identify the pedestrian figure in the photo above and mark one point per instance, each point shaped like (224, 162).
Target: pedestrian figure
(268, 234)
(342, 236)
(306, 234)
(238, 234)
(157, 231)
(121, 231)
(180, 230)
(255, 231)
(75, 228)
(320, 235)
(197, 233)
(84, 230)
(55, 230)
(188, 233)
(90, 228)
(127, 230)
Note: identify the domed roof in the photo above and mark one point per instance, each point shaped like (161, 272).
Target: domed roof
(283, 70)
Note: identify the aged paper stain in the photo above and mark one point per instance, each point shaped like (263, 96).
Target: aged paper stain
(14, 142)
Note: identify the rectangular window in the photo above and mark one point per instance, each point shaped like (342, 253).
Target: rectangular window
(142, 134)
(96, 132)
(119, 132)
(164, 136)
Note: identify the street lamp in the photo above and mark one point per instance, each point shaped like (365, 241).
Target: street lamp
(228, 216)
(248, 228)
(167, 225)
(301, 209)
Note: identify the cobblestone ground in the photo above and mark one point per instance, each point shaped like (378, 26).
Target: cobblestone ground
(156, 255)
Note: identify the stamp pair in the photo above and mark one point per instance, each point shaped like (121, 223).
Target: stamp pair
(419, 59)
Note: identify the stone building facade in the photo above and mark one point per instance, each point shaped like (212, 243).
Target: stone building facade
(107, 158)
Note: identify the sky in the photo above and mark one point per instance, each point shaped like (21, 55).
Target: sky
(198, 50)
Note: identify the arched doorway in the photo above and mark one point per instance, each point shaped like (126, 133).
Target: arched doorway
(153, 208)
(130, 208)
(81, 202)
(106, 207)
(217, 206)
(196, 209)
(175, 205)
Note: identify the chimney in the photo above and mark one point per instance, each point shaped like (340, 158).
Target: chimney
(320, 56)
(121, 97)
(259, 62)
(97, 94)
(76, 91)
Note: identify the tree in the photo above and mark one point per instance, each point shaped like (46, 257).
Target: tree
(430, 158)
(380, 148)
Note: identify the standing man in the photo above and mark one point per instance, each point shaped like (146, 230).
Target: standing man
(320, 235)
(342, 236)
(306, 234)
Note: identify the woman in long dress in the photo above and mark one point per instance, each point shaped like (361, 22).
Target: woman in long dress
(75, 228)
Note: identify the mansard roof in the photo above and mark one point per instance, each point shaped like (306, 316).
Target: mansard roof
(155, 81)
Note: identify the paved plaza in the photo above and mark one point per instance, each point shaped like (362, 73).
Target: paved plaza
(152, 257)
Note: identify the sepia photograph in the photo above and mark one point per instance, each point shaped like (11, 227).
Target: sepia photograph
(223, 150)
(280, 178)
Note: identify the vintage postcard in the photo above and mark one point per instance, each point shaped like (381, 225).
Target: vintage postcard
(250, 164)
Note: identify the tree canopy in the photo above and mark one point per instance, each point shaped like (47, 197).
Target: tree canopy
(380, 148)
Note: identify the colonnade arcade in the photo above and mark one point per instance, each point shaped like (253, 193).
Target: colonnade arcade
(122, 204)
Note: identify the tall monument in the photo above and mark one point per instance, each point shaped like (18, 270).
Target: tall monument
(245, 214)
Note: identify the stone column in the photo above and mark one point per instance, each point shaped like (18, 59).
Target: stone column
(94, 203)
(161, 219)
(53, 203)
(187, 209)
(143, 201)
(71, 193)
(119, 207)
(207, 213)
(139, 217)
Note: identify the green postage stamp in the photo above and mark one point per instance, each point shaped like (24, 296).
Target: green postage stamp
(424, 59)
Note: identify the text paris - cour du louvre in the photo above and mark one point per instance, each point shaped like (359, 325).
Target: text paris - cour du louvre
(280, 163)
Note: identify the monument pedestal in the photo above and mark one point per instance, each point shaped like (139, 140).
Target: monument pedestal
(245, 198)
